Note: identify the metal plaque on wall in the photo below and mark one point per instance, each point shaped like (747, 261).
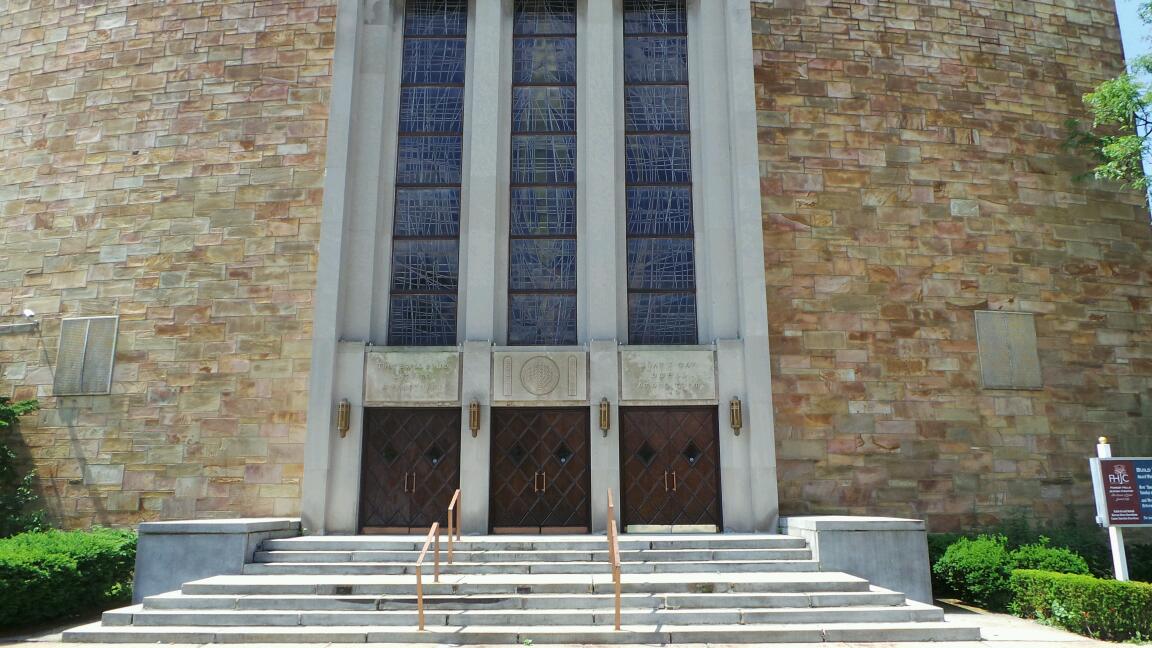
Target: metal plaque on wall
(1008, 353)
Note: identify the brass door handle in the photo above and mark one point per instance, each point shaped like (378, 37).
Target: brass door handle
(540, 482)
(666, 481)
(411, 489)
(673, 481)
(414, 483)
(666, 474)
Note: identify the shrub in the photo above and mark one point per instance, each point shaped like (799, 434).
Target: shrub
(1054, 559)
(16, 491)
(57, 574)
(977, 570)
(1105, 609)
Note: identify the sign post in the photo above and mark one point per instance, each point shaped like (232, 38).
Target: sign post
(1123, 498)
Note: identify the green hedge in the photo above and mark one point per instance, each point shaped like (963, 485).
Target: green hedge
(1105, 609)
(56, 574)
(978, 570)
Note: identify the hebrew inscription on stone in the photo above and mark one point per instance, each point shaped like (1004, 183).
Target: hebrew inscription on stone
(1008, 353)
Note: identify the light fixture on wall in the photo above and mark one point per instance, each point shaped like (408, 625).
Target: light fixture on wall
(605, 416)
(343, 417)
(736, 411)
(474, 418)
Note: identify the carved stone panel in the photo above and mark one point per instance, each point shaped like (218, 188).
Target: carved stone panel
(664, 375)
(412, 377)
(1008, 354)
(539, 376)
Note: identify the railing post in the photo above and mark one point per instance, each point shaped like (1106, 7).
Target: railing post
(436, 538)
(420, 597)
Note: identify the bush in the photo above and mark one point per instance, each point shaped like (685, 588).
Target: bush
(1105, 609)
(977, 570)
(56, 574)
(16, 491)
(1054, 559)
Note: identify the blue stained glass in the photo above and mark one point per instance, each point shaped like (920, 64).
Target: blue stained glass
(427, 212)
(431, 110)
(542, 264)
(425, 266)
(655, 17)
(544, 109)
(544, 17)
(544, 159)
(422, 320)
(659, 59)
(435, 17)
(433, 61)
(661, 264)
(429, 160)
(659, 211)
(656, 109)
(542, 320)
(543, 211)
(662, 318)
(658, 159)
(544, 60)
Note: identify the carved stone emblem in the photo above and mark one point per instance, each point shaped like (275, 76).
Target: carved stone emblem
(540, 375)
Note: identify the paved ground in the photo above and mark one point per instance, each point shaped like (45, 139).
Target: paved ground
(998, 630)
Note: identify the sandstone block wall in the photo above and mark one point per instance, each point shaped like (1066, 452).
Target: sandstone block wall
(913, 171)
(163, 161)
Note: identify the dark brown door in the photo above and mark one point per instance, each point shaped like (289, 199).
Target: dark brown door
(670, 466)
(409, 469)
(540, 481)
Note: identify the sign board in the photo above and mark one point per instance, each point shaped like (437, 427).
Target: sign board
(1124, 489)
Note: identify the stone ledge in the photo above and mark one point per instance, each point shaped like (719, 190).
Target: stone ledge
(849, 523)
(233, 525)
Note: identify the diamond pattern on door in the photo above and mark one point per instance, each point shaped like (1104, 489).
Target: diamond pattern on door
(540, 469)
(409, 469)
(670, 466)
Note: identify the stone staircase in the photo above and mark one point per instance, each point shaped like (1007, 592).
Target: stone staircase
(511, 589)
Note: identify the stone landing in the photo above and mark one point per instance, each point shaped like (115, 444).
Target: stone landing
(510, 589)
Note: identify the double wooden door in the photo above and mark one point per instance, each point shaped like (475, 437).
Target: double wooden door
(670, 467)
(540, 479)
(409, 469)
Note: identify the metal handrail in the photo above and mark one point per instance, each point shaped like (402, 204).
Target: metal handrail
(453, 517)
(433, 534)
(614, 553)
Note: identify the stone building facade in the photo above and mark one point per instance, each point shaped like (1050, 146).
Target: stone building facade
(165, 162)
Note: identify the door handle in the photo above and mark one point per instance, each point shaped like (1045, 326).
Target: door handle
(665, 481)
(673, 481)
(411, 489)
(666, 475)
(540, 482)
(414, 483)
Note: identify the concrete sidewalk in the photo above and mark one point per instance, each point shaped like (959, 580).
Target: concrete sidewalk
(998, 631)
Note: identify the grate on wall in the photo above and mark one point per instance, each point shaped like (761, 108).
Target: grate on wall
(85, 356)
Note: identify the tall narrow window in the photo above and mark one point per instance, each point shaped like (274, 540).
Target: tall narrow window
(426, 231)
(542, 222)
(658, 174)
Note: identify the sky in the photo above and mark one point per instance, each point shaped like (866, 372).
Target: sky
(1132, 29)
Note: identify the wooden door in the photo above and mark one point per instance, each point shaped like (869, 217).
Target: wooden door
(409, 469)
(670, 467)
(540, 477)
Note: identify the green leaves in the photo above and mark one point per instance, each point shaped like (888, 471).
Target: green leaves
(1105, 609)
(16, 487)
(1121, 134)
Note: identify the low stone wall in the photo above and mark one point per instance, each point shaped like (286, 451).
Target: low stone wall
(889, 552)
(170, 554)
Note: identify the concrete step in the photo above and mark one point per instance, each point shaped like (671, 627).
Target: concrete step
(628, 542)
(697, 583)
(563, 567)
(138, 616)
(308, 602)
(603, 634)
(487, 556)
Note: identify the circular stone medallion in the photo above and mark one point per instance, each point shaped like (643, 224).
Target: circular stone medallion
(540, 375)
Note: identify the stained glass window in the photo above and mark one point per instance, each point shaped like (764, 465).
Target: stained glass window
(426, 229)
(542, 249)
(658, 174)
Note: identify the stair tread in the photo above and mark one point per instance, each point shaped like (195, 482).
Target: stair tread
(529, 579)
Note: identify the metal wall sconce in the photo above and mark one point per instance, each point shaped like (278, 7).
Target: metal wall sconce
(343, 417)
(605, 416)
(736, 411)
(474, 418)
